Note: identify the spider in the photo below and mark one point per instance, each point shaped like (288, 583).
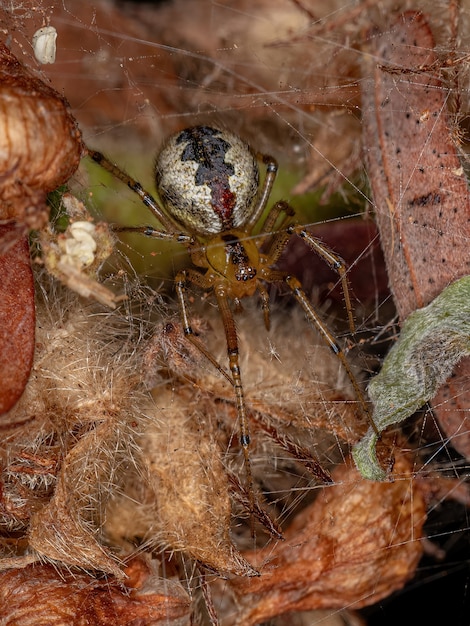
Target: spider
(211, 200)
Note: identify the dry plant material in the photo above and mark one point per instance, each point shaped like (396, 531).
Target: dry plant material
(356, 544)
(40, 594)
(418, 184)
(180, 497)
(16, 319)
(283, 369)
(40, 149)
(190, 447)
(189, 483)
(41, 144)
(76, 255)
(89, 441)
(81, 410)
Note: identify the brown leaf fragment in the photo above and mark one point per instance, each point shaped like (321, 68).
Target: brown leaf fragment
(450, 405)
(17, 320)
(64, 530)
(58, 472)
(357, 543)
(419, 187)
(40, 144)
(40, 594)
(56, 533)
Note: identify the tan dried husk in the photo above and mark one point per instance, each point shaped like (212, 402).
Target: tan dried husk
(184, 501)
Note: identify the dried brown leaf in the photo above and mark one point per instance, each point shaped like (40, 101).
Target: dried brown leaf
(17, 320)
(40, 594)
(40, 148)
(59, 471)
(64, 529)
(40, 143)
(188, 507)
(419, 186)
(357, 543)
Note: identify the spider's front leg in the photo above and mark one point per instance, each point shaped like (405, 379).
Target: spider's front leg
(277, 246)
(170, 232)
(233, 356)
(181, 280)
(205, 281)
(281, 237)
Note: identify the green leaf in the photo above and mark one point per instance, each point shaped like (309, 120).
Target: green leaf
(432, 341)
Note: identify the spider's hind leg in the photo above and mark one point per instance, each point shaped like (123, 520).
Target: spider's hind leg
(318, 323)
(336, 263)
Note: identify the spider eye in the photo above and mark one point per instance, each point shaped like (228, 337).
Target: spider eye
(207, 179)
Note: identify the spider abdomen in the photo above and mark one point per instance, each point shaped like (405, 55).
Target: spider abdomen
(207, 179)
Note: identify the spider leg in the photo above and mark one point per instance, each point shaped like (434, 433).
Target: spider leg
(233, 356)
(136, 187)
(264, 296)
(334, 261)
(318, 323)
(273, 215)
(258, 208)
(195, 277)
(182, 278)
(295, 286)
(150, 231)
(280, 240)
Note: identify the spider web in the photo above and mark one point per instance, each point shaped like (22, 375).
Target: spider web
(285, 75)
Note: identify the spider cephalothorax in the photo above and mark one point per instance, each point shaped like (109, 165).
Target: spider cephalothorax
(208, 183)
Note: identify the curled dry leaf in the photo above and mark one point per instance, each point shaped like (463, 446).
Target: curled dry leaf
(356, 544)
(40, 143)
(40, 149)
(419, 186)
(179, 500)
(189, 483)
(41, 594)
(63, 529)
